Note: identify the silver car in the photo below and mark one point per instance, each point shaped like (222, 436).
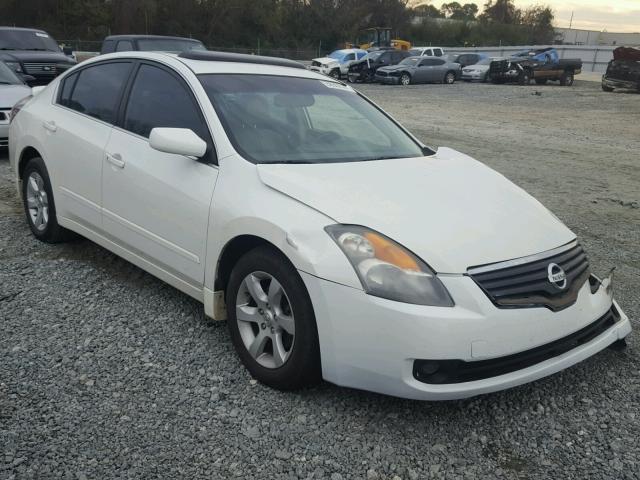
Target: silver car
(12, 89)
(419, 70)
(478, 72)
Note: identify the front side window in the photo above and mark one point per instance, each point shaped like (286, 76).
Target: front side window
(159, 99)
(348, 57)
(271, 119)
(437, 52)
(97, 90)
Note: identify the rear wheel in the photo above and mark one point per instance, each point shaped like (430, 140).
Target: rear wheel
(405, 79)
(450, 78)
(566, 80)
(271, 321)
(40, 209)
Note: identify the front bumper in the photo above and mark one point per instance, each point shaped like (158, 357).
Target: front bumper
(4, 134)
(615, 83)
(389, 80)
(323, 70)
(472, 76)
(371, 343)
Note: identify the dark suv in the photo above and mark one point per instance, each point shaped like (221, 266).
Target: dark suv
(365, 69)
(149, 43)
(34, 54)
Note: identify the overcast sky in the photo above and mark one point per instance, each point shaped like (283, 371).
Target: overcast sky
(612, 15)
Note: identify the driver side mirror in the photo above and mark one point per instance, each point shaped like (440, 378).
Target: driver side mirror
(179, 141)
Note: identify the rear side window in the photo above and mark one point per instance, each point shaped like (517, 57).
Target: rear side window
(97, 90)
(437, 52)
(124, 46)
(66, 89)
(159, 99)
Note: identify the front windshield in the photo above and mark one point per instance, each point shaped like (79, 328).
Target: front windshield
(485, 61)
(169, 45)
(372, 55)
(27, 40)
(272, 119)
(337, 55)
(7, 76)
(409, 61)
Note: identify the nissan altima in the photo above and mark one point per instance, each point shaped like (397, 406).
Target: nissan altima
(372, 261)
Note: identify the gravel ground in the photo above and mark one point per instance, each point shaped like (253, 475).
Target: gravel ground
(106, 372)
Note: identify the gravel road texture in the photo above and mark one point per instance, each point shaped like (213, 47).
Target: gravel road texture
(105, 372)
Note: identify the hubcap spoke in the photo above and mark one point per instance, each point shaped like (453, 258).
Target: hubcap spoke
(257, 346)
(255, 290)
(248, 314)
(280, 354)
(33, 184)
(275, 292)
(287, 323)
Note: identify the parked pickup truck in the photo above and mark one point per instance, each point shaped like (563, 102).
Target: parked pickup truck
(623, 71)
(540, 65)
(33, 54)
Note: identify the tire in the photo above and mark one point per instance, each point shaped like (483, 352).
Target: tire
(449, 78)
(525, 77)
(39, 205)
(335, 73)
(405, 79)
(566, 80)
(606, 89)
(288, 322)
(541, 81)
(487, 78)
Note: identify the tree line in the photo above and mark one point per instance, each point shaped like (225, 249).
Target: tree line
(290, 24)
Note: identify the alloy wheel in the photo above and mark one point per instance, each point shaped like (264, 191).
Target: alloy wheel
(450, 78)
(37, 201)
(265, 319)
(405, 79)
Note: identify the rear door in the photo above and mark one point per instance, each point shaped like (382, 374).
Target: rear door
(78, 128)
(156, 204)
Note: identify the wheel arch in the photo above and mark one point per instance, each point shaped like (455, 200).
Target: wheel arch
(27, 154)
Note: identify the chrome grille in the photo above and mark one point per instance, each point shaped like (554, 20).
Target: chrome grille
(4, 142)
(4, 116)
(525, 282)
(40, 68)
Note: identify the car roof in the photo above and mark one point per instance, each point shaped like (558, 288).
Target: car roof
(425, 48)
(23, 29)
(238, 65)
(126, 37)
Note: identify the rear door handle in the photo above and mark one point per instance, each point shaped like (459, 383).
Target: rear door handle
(51, 126)
(115, 160)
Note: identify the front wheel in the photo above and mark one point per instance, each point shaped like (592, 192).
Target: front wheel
(525, 77)
(405, 79)
(335, 73)
(606, 89)
(271, 321)
(450, 78)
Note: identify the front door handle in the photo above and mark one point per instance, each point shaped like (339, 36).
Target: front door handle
(51, 126)
(115, 159)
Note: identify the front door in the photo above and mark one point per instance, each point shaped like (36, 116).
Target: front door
(157, 204)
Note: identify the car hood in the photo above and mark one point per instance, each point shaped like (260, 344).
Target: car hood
(394, 68)
(479, 68)
(36, 56)
(449, 209)
(11, 94)
(326, 60)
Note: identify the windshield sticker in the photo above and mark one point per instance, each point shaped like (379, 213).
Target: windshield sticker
(43, 35)
(337, 86)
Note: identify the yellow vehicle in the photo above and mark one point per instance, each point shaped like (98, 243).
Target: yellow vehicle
(378, 37)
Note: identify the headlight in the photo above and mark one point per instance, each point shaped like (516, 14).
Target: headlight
(388, 270)
(17, 107)
(15, 66)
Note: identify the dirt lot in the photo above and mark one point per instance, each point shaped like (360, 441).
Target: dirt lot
(106, 372)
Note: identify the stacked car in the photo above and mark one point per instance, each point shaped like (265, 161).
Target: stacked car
(623, 71)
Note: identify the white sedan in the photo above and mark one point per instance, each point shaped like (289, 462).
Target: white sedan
(369, 260)
(12, 90)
